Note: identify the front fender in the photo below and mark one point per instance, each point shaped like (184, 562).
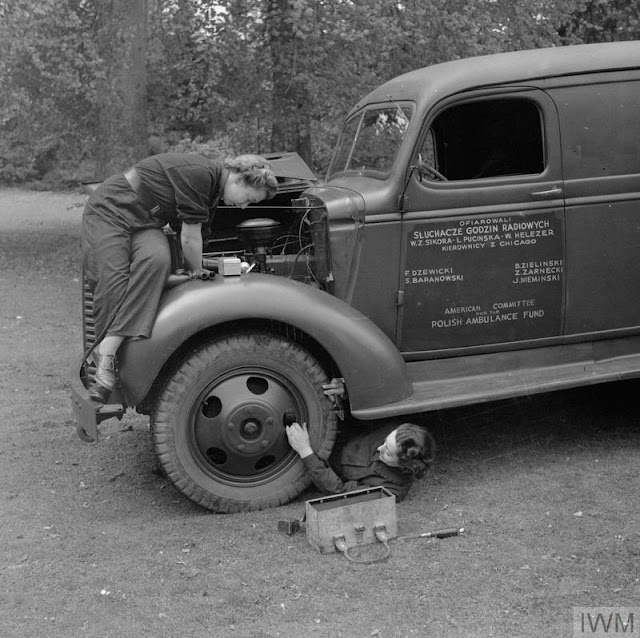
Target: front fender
(374, 371)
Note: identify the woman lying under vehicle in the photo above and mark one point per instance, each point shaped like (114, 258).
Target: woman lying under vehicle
(390, 456)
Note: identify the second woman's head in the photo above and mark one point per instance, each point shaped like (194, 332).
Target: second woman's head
(408, 446)
(249, 180)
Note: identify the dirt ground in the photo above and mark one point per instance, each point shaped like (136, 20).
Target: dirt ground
(95, 543)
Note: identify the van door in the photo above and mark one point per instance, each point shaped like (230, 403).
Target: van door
(483, 225)
(600, 123)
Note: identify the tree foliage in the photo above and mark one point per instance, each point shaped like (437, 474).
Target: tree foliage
(244, 75)
(48, 74)
(603, 21)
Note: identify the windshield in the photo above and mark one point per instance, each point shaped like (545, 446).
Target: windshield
(370, 141)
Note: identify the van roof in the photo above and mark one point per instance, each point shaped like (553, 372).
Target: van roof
(447, 78)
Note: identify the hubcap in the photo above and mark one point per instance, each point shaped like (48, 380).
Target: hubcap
(237, 425)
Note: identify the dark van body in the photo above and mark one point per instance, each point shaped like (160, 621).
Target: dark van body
(477, 237)
(517, 260)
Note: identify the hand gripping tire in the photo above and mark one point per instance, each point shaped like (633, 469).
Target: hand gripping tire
(219, 422)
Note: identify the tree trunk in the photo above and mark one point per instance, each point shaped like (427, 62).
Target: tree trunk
(291, 127)
(121, 87)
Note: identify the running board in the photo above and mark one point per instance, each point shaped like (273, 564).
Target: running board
(456, 381)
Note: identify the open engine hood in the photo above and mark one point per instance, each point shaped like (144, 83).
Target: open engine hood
(290, 166)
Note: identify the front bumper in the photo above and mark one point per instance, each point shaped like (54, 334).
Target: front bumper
(89, 413)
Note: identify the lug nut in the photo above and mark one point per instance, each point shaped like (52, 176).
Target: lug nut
(250, 428)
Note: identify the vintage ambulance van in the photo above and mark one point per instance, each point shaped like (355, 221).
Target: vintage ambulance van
(477, 237)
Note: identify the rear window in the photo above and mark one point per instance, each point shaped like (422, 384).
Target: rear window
(600, 129)
(486, 138)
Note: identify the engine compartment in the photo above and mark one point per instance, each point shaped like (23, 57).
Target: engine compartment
(281, 237)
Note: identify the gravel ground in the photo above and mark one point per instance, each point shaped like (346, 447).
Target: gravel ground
(95, 543)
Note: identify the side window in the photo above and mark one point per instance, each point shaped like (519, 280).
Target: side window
(380, 136)
(345, 145)
(486, 138)
(600, 129)
(370, 141)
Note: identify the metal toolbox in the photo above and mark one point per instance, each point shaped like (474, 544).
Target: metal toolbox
(342, 521)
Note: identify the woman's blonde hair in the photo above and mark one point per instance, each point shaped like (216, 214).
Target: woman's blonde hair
(254, 171)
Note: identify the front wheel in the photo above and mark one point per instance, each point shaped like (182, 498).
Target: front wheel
(219, 422)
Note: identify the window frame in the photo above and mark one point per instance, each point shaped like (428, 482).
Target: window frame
(491, 193)
(428, 131)
(408, 107)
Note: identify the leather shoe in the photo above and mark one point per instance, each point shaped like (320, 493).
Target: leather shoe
(104, 378)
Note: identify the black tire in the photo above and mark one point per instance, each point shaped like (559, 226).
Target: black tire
(219, 422)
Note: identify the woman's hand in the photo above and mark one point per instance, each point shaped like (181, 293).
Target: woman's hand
(298, 436)
(176, 279)
(335, 389)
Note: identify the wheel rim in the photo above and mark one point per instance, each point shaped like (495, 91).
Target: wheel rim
(236, 426)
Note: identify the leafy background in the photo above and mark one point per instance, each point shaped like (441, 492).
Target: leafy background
(89, 86)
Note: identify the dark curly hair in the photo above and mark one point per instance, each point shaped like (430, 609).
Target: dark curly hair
(416, 448)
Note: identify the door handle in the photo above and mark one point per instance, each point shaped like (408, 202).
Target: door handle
(548, 193)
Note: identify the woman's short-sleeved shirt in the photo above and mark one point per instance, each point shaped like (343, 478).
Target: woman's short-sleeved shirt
(185, 185)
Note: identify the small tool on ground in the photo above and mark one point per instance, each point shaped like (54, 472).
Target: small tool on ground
(441, 533)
